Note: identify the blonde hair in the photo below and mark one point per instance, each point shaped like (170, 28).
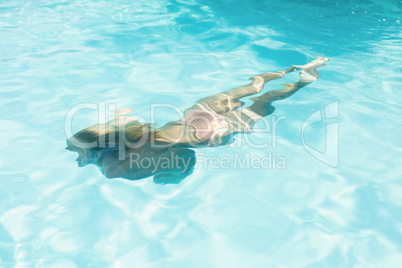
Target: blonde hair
(110, 136)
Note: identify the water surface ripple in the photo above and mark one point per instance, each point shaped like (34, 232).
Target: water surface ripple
(55, 54)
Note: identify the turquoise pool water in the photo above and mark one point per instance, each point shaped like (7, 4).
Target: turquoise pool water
(336, 208)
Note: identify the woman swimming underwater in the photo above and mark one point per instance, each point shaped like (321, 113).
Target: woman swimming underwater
(116, 148)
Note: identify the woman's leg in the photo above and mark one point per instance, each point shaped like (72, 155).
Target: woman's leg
(230, 100)
(243, 120)
(262, 104)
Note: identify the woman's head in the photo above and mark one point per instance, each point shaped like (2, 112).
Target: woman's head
(91, 142)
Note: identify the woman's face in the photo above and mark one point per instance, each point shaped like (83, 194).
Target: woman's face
(85, 156)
